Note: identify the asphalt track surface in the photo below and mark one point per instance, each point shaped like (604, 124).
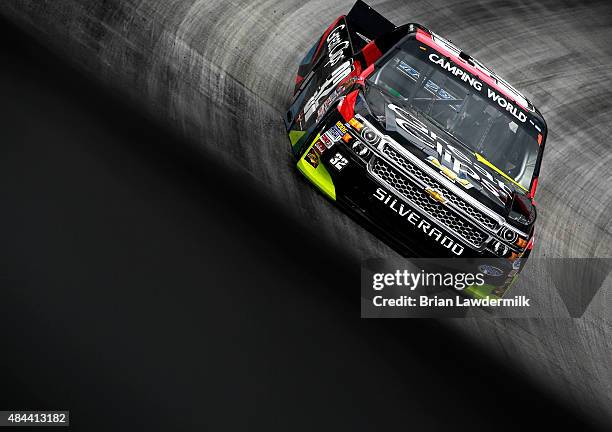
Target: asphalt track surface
(220, 74)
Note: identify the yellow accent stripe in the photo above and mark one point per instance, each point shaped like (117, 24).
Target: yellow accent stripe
(497, 170)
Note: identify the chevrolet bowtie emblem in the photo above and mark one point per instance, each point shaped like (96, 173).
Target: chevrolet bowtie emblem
(435, 195)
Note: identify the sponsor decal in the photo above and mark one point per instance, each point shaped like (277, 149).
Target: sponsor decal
(430, 86)
(312, 158)
(338, 161)
(503, 103)
(501, 83)
(455, 70)
(476, 84)
(320, 147)
(342, 128)
(417, 220)
(326, 140)
(356, 124)
(334, 134)
(408, 70)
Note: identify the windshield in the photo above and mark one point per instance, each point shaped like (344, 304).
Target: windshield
(418, 77)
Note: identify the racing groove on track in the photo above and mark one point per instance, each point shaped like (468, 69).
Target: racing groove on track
(222, 73)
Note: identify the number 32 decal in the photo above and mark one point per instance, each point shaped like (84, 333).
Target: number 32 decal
(338, 161)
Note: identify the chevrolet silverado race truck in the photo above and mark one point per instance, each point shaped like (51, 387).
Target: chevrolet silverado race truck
(419, 141)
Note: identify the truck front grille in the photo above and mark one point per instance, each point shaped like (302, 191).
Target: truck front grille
(470, 211)
(418, 198)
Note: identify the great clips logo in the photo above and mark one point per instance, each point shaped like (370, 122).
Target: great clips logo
(337, 46)
(338, 58)
(452, 163)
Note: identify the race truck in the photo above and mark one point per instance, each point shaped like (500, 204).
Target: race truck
(423, 144)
